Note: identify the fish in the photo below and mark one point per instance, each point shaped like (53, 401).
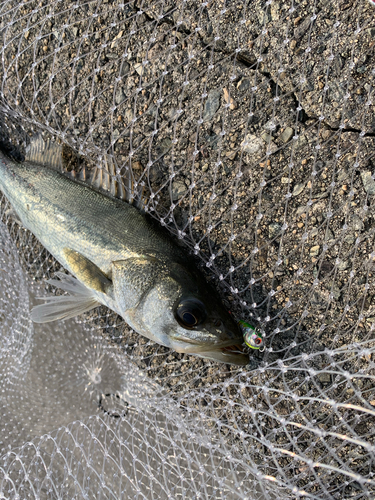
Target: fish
(117, 256)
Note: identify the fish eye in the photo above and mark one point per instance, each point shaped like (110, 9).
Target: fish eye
(190, 313)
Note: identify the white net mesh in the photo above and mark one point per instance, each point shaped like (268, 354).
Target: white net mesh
(252, 126)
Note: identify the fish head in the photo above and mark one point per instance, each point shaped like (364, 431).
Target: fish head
(179, 309)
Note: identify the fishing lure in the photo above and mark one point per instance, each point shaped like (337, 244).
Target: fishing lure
(251, 337)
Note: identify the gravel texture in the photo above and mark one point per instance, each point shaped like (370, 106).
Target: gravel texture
(252, 128)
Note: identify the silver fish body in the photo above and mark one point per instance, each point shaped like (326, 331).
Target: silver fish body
(123, 260)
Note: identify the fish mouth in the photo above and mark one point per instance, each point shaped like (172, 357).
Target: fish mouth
(233, 349)
(237, 354)
(228, 352)
(232, 354)
(231, 345)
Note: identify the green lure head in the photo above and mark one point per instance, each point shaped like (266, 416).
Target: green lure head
(251, 337)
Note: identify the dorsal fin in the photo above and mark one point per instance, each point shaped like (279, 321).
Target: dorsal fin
(105, 178)
(46, 153)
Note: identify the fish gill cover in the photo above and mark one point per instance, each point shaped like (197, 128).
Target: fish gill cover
(251, 126)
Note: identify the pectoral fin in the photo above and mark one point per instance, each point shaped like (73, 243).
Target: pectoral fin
(80, 300)
(86, 271)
